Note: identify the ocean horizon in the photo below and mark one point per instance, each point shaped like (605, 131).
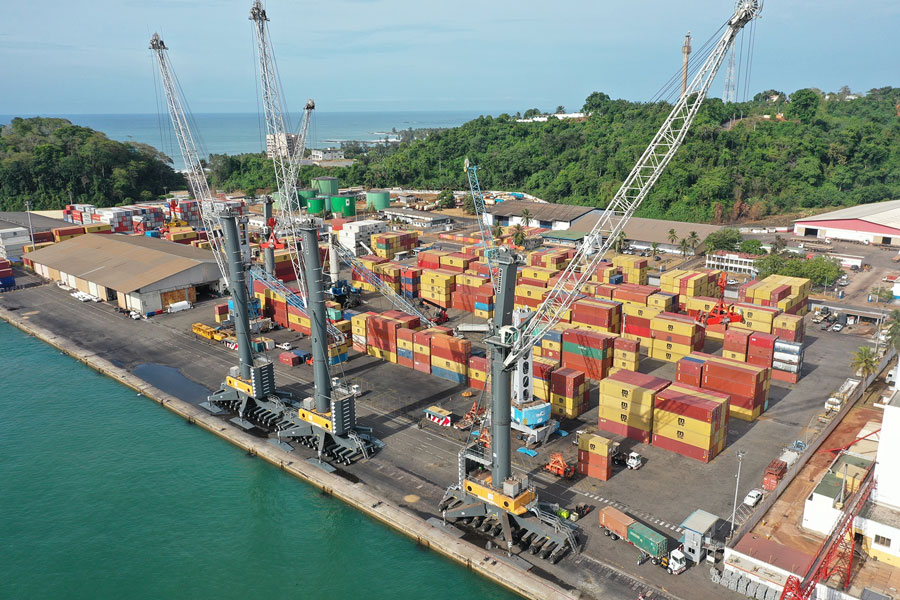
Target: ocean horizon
(242, 133)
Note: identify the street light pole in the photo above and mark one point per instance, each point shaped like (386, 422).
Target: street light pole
(737, 483)
(30, 228)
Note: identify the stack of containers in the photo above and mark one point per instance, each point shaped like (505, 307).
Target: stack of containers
(118, 218)
(605, 272)
(551, 345)
(636, 323)
(430, 259)
(604, 290)
(664, 300)
(381, 337)
(756, 318)
(96, 228)
(437, 285)
(7, 277)
(631, 293)
(788, 294)
(405, 351)
(356, 235)
(569, 393)
(691, 421)
(787, 361)
(422, 350)
(541, 377)
(529, 296)
(626, 404)
(735, 344)
(368, 261)
(675, 336)
(479, 368)
(594, 458)
(387, 245)
(626, 354)
(587, 351)
(694, 306)
(284, 268)
(789, 328)
(221, 312)
(746, 384)
(761, 349)
(597, 315)
(60, 234)
(359, 331)
(188, 211)
(410, 280)
(390, 274)
(450, 358)
(633, 268)
(456, 262)
(13, 242)
(184, 235)
(338, 352)
(536, 276)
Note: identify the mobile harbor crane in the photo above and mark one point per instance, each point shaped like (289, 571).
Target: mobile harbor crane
(327, 420)
(487, 490)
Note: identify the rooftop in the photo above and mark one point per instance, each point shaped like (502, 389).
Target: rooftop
(39, 222)
(700, 521)
(650, 230)
(540, 211)
(880, 213)
(122, 262)
(564, 234)
(409, 212)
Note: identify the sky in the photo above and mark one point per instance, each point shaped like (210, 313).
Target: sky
(64, 57)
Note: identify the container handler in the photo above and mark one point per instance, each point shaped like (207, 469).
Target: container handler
(651, 544)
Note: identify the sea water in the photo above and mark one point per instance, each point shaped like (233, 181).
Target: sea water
(106, 494)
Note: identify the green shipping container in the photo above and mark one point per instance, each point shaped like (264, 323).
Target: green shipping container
(594, 353)
(653, 543)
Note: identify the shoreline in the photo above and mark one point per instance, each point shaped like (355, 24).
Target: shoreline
(356, 495)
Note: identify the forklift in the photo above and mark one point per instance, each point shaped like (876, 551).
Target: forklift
(439, 315)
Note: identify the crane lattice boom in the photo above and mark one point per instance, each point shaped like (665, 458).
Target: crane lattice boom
(480, 210)
(633, 191)
(195, 175)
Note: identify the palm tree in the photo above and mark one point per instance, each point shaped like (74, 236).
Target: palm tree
(654, 249)
(864, 362)
(497, 231)
(672, 235)
(518, 235)
(619, 242)
(526, 217)
(693, 239)
(893, 328)
(684, 246)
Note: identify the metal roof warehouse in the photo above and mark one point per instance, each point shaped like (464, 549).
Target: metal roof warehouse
(877, 223)
(140, 273)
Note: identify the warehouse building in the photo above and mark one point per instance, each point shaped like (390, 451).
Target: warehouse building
(139, 273)
(641, 233)
(877, 223)
(541, 214)
(416, 218)
(733, 262)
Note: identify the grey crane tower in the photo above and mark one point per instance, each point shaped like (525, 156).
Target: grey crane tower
(498, 501)
(685, 59)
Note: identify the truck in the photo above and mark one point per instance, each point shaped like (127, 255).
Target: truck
(650, 543)
(836, 400)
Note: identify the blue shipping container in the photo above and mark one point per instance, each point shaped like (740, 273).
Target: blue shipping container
(449, 375)
(403, 352)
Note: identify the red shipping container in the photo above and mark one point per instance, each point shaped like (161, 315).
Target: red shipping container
(626, 345)
(601, 473)
(590, 458)
(770, 481)
(622, 429)
(566, 381)
(736, 340)
(684, 400)
(785, 376)
(688, 450)
(762, 340)
(289, 358)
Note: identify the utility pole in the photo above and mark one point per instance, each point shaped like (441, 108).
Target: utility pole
(737, 483)
(685, 55)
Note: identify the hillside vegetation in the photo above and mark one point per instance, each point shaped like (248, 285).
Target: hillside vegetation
(735, 164)
(53, 163)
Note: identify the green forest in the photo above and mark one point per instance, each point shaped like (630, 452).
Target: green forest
(771, 155)
(51, 163)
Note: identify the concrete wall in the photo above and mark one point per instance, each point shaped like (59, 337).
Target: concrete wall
(869, 529)
(887, 467)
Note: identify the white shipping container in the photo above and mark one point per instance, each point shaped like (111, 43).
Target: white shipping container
(787, 358)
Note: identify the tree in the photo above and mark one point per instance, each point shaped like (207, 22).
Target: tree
(619, 242)
(445, 199)
(804, 105)
(693, 239)
(724, 239)
(751, 247)
(684, 246)
(864, 361)
(672, 235)
(526, 217)
(778, 245)
(654, 249)
(497, 231)
(560, 110)
(531, 112)
(518, 235)
(469, 205)
(883, 294)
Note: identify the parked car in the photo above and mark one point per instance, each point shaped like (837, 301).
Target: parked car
(825, 326)
(836, 327)
(752, 498)
(854, 268)
(284, 346)
(731, 282)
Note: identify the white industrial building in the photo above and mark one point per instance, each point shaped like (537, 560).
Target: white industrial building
(877, 223)
(642, 233)
(416, 218)
(733, 262)
(139, 273)
(326, 154)
(541, 214)
(283, 144)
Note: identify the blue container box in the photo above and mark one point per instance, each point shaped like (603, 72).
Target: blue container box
(449, 375)
(403, 352)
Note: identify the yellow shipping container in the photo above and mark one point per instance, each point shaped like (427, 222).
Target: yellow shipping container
(644, 422)
(595, 444)
(449, 365)
(626, 355)
(664, 346)
(477, 375)
(664, 419)
(744, 414)
(571, 403)
(628, 365)
(738, 356)
(622, 391)
(530, 291)
(627, 406)
(636, 310)
(687, 436)
(666, 355)
(760, 326)
(672, 326)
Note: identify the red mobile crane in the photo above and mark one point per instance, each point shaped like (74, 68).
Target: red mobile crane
(721, 312)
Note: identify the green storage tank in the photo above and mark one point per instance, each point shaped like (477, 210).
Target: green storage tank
(327, 186)
(316, 205)
(305, 194)
(344, 205)
(350, 207)
(378, 199)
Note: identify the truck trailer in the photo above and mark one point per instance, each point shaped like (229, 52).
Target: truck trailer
(650, 543)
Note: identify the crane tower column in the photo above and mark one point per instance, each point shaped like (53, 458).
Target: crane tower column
(685, 57)
(238, 289)
(269, 253)
(316, 310)
(506, 263)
